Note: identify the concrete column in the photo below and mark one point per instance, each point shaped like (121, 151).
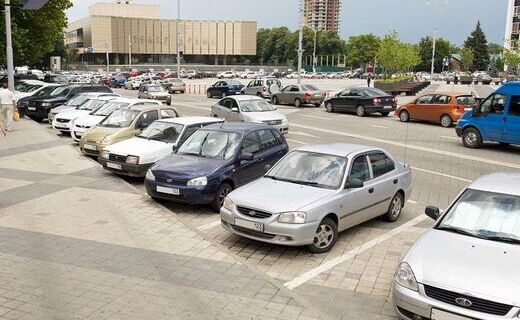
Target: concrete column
(225, 60)
(216, 60)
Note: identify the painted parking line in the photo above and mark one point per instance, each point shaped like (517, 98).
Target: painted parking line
(190, 106)
(304, 134)
(295, 141)
(327, 265)
(378, 126)
(314, 117)
(442, 174)
(410, 146)
(209, 225)
(448, 137)
(412, 202)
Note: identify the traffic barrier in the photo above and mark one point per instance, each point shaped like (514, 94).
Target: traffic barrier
(196, 89)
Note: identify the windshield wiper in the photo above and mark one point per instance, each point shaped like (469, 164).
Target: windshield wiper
(459, 231)
(271, 177)
(503, 239)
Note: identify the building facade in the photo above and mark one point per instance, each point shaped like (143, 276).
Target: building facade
(512, 35)
(322, 15)
(123, 27)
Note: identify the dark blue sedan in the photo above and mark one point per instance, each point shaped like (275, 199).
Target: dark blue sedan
(224, 88)
(214, 161)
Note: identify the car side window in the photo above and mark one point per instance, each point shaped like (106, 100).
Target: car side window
(188, 132)
(424, 99)
(344, 93)
(286, 89)
(514, 106)
(379, 164)
(168, 113)
(147, 118)
(359, 169)
(267, 139)
(294, 89)
(250, 143)
(225, 103)
(441, 99)
(493, 104)
(355, 93)
(233, 104)
(250, 84)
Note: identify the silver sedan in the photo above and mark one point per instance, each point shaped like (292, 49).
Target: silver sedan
(314, 192)
(298, 95)
(466, 266)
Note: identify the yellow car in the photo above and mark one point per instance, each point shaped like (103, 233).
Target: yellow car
(121, 125)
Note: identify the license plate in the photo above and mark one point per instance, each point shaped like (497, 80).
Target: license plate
(31, 108)
(249, 224)
(387, 107)
(172, 191)
(87, 146)
(114, 165)
(443, 315)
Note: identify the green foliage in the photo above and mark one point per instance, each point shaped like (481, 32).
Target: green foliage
(467, 58)
(477, 42)
(494, 48)
(395, 79)
(35, 33)
(362, 49)
(443, 48)
(394, 55)
(512, 57)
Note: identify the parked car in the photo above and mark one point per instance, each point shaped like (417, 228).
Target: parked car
(249, 75)
(117, 81)
(362, 101)
(174, 85)
(443, 108)
(133, 157)
(83, 123)
(496, 119)
(299, 95)
(154, 92)
(55, 78)
(44, 92)
(26, 88)
(465, 266)
(224, 88)
(262, 87)
(77, 101)
(122, 124)
(133, 83)
(226, 75)
(39, 109)
(213, 161)
(317, 191)
(250, 109)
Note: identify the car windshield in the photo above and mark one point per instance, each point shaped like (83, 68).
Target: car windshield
(309, 168)
(155, 89)
(466, 100)
(60, 91)
(45, 91)
(25, 87)
(233, 83)
(373, 92)
(309, 87)
(211, 144)
(109, 107)
(255, 106)
(162, 131)
(92, 104)
(78, 100)
(120, 118)
(486, 215)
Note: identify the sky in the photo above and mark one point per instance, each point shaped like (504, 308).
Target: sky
(412, 19)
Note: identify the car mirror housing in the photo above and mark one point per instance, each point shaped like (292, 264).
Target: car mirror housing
(234, 109)
(475, 111)
(432, 212)
(354, 184)
(174, 149)
(245, 157)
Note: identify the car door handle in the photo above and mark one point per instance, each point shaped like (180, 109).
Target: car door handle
(395, 181)
(371, 190)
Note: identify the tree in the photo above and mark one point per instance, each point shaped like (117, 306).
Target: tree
(443, 48)
(494, 48)
(35, 33)
(466, 58)
(393, 55)
(512, 57)
(362, 49)
(477, 42)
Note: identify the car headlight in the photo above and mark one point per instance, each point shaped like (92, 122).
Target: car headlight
(404, 276)
(228, 204)
(107, 138)
(149, 175)
(200, 181)
(292, 217)
(105, 154)
(46, 104)
(284, 121)
(132, 159)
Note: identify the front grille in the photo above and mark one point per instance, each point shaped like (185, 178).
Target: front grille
(253, 213)
(173, 181)
(62, 120)
(253, 233)
(81, 126)
(479, 305)
(273, 122)
(117, 158)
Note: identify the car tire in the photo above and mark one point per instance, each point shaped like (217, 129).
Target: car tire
(221, 194)
(209, 95)
(360, 111)
(258, 94)
(504, 144)
(317, 105)
(395, 208)
(385, 114)
(471, 138)
(274, 100)
(297, 103)
(446, 121)
(404, 116)
(325, 237)
(329, 107)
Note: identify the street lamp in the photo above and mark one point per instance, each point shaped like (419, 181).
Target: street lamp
(300, 43)
(430, 4)
(178, 39)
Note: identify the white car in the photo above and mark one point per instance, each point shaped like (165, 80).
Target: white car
(158, 140)
(226, 75)
(77, 101)
(133, 83)
(27, 88)
(81, 124)
(62, 121)
(249, 75)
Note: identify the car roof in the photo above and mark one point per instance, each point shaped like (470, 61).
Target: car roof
(337, 149)
(148, 106)
(239, 127)
(99, 94)
(105, 98)
(510, 87)
(498, 182)
(246, 97)
(192, 120)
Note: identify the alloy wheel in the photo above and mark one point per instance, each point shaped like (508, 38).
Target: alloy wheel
(397, 206)
(324, 236)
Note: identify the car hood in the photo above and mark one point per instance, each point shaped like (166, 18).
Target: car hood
(72, 114)
(264, 116)
(89, 120)
(188, 166)
(97, 134)
(477, 267)
(283, 196)
(62, 108)
(147, 150)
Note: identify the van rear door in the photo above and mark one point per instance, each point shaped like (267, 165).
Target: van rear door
(512, 121)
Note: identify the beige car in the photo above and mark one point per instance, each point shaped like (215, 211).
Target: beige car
(122, 124)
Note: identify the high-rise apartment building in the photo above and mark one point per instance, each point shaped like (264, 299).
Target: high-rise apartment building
(512, 35)
(322, 15)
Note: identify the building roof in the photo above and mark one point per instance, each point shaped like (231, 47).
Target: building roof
(499, 182)
(337, 149)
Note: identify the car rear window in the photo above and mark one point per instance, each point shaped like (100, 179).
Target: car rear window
(466, 100)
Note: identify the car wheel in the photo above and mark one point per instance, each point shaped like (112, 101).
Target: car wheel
(360, 111)
(325, 236)
(209, 94)
(258, 94)
(395, 208)
(404, 116)
(317, 105)
(297, 103)
(446, 121)
(329, 107)
(222, 193)
(471, 138)
(274, 100)
(385, 114)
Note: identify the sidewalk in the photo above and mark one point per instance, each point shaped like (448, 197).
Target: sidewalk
(79, 243)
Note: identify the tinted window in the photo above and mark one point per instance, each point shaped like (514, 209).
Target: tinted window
(441, 100)
(310, 87)
(226, 103)
(250, 143)
(514, 106)
(267, 139)
(379, 164)
(360, 169)
(168, 113)
(147, 118)
(355, 93)
(375, 92)
(424, 100)
(494, 104)
(466, 100)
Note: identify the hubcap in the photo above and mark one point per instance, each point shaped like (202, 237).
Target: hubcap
(297, 103)
(223, 195)
(360, 111)
(396, 207)
(329, 107)
(324, 236)
(471, 138)
(404, 116)
(446, 121)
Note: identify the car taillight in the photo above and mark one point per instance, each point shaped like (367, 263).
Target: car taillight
(264, 88)
(307, 95)
(377, 100)
(460, 108)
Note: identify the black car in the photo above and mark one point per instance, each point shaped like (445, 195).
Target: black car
(44, 93)
(38, 109)
(55, 78)
(225, 88)
(362, 101)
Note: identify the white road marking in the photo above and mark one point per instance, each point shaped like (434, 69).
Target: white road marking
(305, 134)
(378, 126)
(410, 146)
(451, 138)
(412, 202)
(442, 174)
(314, 117)
(210, 225)
(191, 106)
(295, 141)
(303, 278)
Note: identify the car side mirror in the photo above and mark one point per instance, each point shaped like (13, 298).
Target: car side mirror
(267, 167)
(245, 157)
(432, 212)
(475, 111)
(234, 109)
(174, 149)
(354, 184)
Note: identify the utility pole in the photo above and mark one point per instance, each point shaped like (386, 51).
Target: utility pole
(130, 53)
(314, 52)
(9, 46)
(108, 58)
(178, 39)
(300, 43)
(433, 53)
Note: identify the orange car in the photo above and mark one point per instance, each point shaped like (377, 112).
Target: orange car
(445, 109)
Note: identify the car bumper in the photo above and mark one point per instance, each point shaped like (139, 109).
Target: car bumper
(377, 109)
(132, 170)
(274, 232)
(91, 148)
(315, 100)
(37, 112)
(187, 194)
(77, 133)
(61, 126)
(412, 305)
(458, 131)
